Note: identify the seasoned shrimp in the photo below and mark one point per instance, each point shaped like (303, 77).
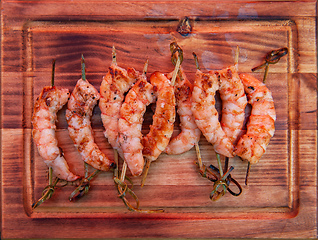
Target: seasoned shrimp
(114, 85)
(80, 107)
(206, 115)
(161, 130)
(130, 123)
(190, 133)
(50, 101)
(261, 125)
(233, 102)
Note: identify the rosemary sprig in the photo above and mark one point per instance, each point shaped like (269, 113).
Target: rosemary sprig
(48, 190)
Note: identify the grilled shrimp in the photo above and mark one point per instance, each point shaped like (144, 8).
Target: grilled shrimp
(130, 123)
(50, 101)
(190, 133)
(206, 115)
(80, 107)
(161, 130)
(260, 128)
(233, 102)
(114, 85)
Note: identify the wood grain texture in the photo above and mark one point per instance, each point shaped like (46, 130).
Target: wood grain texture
(281, 198)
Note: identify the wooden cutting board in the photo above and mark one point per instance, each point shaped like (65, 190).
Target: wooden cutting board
(280, 200)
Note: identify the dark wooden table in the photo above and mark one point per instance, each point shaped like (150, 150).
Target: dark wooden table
(280, 200)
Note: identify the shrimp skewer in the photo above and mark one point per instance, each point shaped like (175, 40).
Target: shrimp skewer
(190, 133)
(49, 102)
(114, 85)
(233, 103)
(206, 115)
(80, 107)
(260, 128)
(129, 129)
(130, 123)
(232, 112)
(161, 130)
(271, 58)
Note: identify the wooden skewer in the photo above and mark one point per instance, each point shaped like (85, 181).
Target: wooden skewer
(148, 162)
(123, 172)
(175, 72)
(83, 68)
(146, 169)
(114, 60)
(271, 58)
(236, 58)
(49, 190)
(53, 73)
(197, 149)
(174, 50)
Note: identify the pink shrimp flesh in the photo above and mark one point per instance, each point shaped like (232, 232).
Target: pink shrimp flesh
(206, 115)
(161, 129)
(114, 85)
(80, 107)
(190, 133)
(234, 102)
(50, 101)
(130, 124)
(261, 125)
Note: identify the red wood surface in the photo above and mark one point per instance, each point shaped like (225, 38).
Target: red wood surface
(281, 198)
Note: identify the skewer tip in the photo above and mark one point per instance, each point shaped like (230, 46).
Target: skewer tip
(145, 69)
(53, 72)
(247, 173)
(236, 59)
(83, 68)
(114, 60)
(147, 166)
(196, 60)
